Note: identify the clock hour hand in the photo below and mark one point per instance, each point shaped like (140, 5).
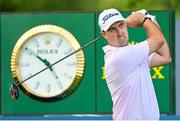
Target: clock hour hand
(47, 63)
(30, 52)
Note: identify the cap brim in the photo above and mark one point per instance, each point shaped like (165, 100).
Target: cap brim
(111, 22)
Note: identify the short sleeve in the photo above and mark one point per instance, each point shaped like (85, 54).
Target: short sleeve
(149, 59)
(129, 57)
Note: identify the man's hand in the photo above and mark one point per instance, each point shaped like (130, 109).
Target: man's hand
(135, 19)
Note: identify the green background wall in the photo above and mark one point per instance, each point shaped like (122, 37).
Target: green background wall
(13, 26)
(92, 95)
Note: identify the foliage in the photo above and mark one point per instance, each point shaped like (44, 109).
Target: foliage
(87, 5)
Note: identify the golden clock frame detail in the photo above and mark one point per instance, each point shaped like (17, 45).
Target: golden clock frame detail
(47, 29)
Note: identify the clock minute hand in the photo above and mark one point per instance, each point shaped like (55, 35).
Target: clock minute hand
(54, 73)
(47, 63)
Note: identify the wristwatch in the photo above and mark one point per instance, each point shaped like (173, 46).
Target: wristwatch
(37, 49)
(145, 20)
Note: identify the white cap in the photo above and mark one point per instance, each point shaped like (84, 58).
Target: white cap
(108, 17)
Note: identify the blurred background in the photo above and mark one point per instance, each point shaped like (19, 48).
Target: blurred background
(87, 5)
(74, 6)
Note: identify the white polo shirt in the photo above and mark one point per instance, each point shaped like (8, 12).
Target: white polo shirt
(129, 81)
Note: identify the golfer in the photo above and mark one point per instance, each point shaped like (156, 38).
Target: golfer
(127, 66)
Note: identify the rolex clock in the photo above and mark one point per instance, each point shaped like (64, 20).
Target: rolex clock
(37, 49)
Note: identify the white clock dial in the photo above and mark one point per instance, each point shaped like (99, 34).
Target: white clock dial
(39, 51)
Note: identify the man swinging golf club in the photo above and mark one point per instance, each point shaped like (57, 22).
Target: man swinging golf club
(127, 66)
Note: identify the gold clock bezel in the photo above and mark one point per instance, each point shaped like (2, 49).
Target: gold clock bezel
(47, 29)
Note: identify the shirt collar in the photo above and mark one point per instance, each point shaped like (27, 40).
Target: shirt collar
(108, 48)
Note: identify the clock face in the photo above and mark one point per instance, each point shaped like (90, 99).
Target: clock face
(41, 49)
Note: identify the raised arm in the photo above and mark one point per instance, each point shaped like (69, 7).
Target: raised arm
(162, 55)
(155, 38)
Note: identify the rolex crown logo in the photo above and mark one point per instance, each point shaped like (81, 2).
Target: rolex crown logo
(47, 40)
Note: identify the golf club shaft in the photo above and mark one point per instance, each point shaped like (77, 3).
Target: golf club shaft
(60, 59)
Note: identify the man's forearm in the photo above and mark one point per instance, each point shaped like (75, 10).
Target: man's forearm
(164, 52)
(164, 49)
(155, 36)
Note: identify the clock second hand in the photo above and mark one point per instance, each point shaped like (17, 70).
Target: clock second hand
(89, 43)
(47, 63)
(14, 92)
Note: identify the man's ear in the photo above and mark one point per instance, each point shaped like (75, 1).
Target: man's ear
(103, 34)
